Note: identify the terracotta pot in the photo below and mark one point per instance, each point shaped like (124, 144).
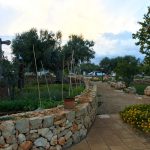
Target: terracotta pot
(69, 103)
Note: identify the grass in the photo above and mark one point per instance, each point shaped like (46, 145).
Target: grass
(137, 116)
(140, 88)
(27, 99)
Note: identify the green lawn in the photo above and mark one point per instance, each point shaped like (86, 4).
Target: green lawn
(28, 98)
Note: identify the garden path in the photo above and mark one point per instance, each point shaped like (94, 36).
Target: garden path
(108, 131)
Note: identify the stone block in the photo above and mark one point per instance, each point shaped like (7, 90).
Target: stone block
(68, 135)
(61, 141)
(41, 142)
(48, 121)
(43, 131)
(22, 125)
(76, 137)
(7, 128)
(21, 138)
(54, 140)
(70, 116)
(11, 139)
(2, 141)
(83, 133)
(27, 145)
(63, 133)
(49, 136)
(35, 123)
(68, 143)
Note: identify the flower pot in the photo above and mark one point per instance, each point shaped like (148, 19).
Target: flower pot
(69, 103)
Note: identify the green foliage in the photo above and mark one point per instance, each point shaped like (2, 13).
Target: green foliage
(126, 68)
(105, 64)
(81, 49)
(138, 116)
(140, 88)
(89, 67)
(143, 35)
(108, 64)
(28, 98)
(22, 45)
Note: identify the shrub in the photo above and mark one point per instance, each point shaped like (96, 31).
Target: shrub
(138, 116)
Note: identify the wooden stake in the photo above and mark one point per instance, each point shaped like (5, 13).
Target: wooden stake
(46, 81)
(37, 76)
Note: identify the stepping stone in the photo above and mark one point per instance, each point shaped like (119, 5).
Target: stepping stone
(104, 116)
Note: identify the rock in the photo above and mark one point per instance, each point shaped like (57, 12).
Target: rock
(41, 142)
(68, 135)
(0, 133)
(131, 90)
(54, 140)
(147, 91)
(74, 127)
(2, 141)
(9, 148)
(11, 139)
(63, 133)
(33, 131)
(22, 125)
(76, 137)
(32, 136)
(70, 116)
(68, 124)
(7, 128)
(60, 122)
(68, 143)
(120, 86)
(49, 136)
(21, 138)
(61, 141)
(27, 145)
(15, 146)
(48, 121)
(35, 123)
(56, 130)
(57, 147)
(43, 131)
(87, 121)
(83, 133)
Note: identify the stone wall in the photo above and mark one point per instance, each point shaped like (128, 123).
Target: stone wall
(53, 129)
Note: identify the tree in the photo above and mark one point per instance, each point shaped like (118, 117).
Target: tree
(126, 68)
(9, 73)
(89, 67)
(22, 46)
(105, 65)
(143, 35)
(78, 49)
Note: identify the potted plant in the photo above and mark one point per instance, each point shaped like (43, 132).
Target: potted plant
(69, 103)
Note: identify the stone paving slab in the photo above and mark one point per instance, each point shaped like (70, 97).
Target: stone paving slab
(112, 134)
(108, 131)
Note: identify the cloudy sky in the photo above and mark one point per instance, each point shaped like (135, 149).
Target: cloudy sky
(110, 23)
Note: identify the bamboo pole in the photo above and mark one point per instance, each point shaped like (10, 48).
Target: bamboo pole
(62, 80)
(46, 82)
(37, 77)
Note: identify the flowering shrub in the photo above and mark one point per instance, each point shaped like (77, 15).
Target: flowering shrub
(138, 116)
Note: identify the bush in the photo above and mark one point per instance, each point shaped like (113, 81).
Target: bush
(138, 116)
(140, 88)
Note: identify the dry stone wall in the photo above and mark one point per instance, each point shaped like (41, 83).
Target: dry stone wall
(50, 132)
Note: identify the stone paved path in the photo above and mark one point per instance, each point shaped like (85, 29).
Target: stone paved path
(108, 131)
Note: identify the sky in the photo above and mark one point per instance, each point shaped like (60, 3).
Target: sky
(109, 23)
